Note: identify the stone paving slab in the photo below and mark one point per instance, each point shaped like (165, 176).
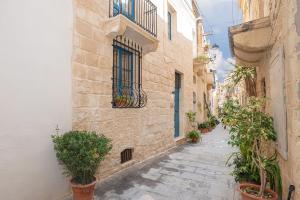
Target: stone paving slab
(187, 172)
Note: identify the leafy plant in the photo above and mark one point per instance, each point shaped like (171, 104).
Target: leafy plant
(243, 170)
(243, 74)
(203, 59)
(191, 116)
(203, 125)
(250, 130)
(213, 121)
(124, 99)
(194, 135)
(80, 152)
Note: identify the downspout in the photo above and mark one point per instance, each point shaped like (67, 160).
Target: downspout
(291, 190)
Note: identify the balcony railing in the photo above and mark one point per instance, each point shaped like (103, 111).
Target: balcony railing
(141, 12)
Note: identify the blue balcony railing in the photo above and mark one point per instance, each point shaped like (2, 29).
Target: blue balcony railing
(141, 12)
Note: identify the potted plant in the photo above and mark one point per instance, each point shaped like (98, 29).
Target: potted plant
(80, 152)
(204, 59)
(123, 100)
(204, 127)
(194, 135)
(252, 131)
(213, 122)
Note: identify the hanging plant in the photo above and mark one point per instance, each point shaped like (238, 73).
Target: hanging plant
(203, 59)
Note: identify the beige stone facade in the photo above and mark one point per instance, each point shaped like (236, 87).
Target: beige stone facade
(148, 130)
(203, 78)
(277, 59)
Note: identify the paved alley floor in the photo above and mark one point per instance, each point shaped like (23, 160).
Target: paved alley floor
(187, 172)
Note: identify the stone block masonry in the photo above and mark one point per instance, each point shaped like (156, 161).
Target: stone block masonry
(148, 130)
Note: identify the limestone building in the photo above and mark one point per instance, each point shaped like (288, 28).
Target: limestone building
(269, 39)
(122, 68)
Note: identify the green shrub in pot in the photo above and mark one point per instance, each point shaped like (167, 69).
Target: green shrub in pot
(194, 135)
(80, 153)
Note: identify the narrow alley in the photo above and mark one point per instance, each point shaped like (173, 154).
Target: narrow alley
(187, 172)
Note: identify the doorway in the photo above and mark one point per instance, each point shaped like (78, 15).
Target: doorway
(177, 105)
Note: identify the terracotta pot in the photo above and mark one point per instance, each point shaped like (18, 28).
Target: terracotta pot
(194, 140)
(204, 130)
(246, 196)
(83, 192)
(120, 103)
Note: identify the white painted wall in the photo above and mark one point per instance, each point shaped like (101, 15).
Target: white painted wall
(185, 20)
(35, 95)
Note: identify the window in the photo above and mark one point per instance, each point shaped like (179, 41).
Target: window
(169, 25)
(194, 101)
(125, 7)
(127, 75)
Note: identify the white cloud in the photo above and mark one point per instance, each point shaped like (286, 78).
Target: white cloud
(209, 3)
(221, 64)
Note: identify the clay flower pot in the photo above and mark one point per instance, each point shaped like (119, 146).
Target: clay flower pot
(83, 192)
(204, 130)
(246, 196)
(194, 140)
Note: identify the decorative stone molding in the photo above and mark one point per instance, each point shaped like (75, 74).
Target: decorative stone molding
(121, 25)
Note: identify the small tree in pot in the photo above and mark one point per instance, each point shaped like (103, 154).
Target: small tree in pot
(80, 152)
(251, 130)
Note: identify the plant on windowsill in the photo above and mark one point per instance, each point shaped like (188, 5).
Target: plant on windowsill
(81, 152)
(194, 136)
(123, 100)
(203, 59)
(252, 131)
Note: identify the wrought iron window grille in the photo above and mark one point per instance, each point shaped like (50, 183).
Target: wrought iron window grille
(127, 89)
(141, 12)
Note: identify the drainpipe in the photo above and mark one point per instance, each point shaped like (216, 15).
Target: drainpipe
(291, 190)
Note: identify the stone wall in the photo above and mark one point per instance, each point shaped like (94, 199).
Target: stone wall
(35, 99)
(285, 21)
(148, 130)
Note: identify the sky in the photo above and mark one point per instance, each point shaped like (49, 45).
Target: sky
(218, 16)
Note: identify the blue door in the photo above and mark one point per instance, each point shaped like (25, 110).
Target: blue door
(177, 105)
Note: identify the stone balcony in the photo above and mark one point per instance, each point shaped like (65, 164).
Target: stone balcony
(210, 79)
(198, 67)
(136, 20)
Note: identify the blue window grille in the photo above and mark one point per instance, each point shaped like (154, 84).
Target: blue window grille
(141, 12)
(127, 74)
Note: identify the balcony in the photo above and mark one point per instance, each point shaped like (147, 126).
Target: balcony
(198, 67)
(210, 80)
(135, 19)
